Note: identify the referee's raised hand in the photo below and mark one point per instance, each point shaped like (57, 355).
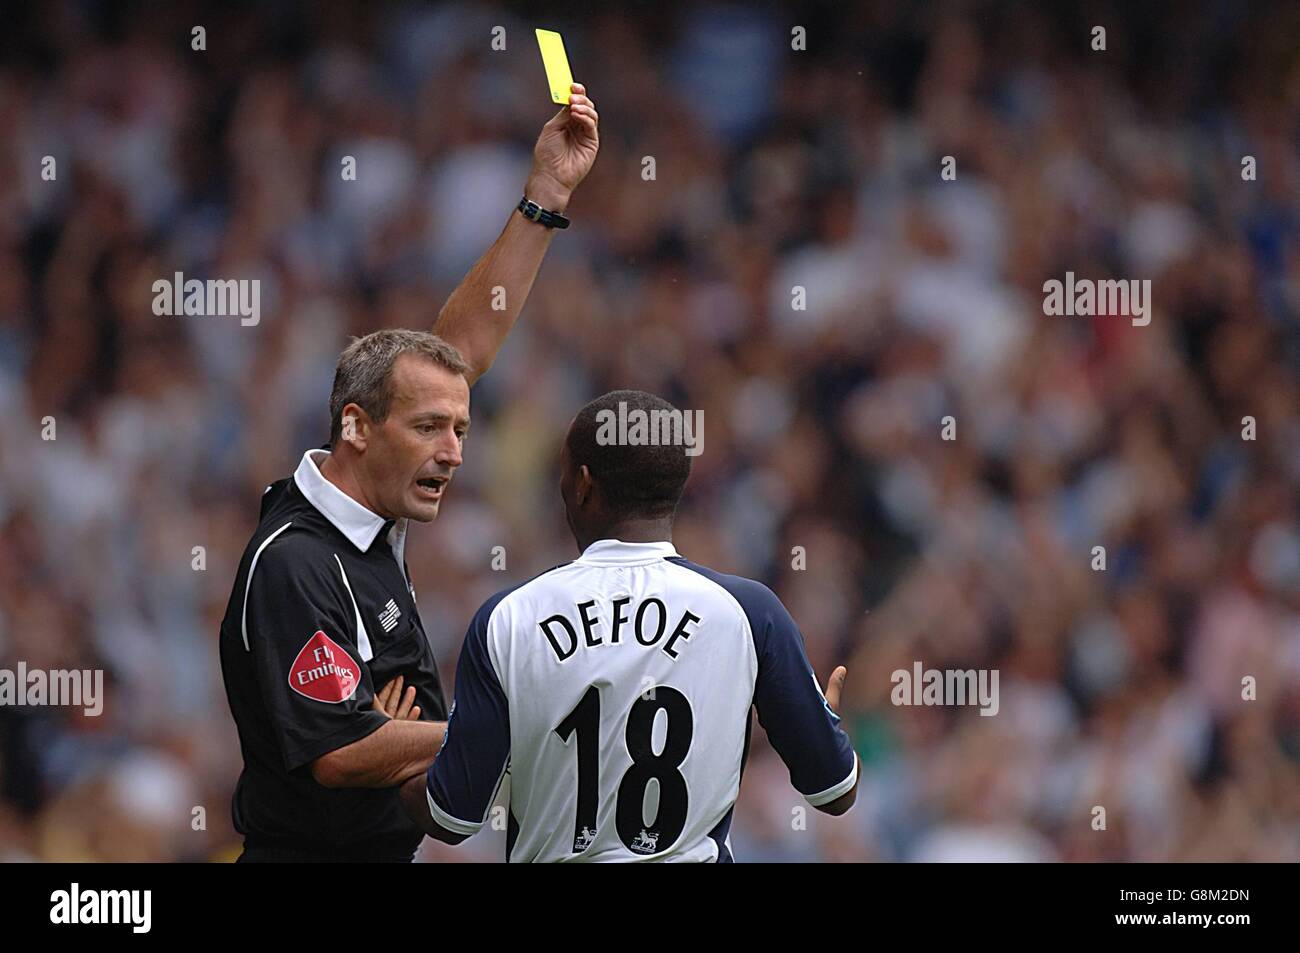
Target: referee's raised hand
(395, 703)
(565, 151)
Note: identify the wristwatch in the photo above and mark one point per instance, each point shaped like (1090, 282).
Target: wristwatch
(543, 216)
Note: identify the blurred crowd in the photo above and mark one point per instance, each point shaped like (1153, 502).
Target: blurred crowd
(778, 174)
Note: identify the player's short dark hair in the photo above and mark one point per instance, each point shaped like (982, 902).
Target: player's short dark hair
(364, 375)
(640, 481)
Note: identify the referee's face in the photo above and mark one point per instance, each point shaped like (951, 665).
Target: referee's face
(410, 457)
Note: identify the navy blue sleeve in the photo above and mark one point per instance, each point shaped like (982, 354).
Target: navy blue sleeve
(791, 708)
(463, 779)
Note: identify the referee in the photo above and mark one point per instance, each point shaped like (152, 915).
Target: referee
(330, 679)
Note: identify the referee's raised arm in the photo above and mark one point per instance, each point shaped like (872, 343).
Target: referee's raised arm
(564, 154)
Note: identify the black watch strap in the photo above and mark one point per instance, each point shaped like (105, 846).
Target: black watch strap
(543, 216)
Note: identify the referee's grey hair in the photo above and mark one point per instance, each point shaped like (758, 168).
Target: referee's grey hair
(364, 375)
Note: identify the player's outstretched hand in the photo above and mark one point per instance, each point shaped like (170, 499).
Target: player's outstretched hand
(565, 151)
(395, 703)
(835, 685)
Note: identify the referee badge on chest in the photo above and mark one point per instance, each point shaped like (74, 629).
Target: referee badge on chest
(324, 671)
(389, 616)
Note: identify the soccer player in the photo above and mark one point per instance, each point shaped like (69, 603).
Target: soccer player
(615, 690)
(329, 676)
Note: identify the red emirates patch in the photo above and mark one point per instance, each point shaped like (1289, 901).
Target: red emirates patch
(324, 671)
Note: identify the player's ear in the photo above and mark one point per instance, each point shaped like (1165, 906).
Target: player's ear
(583, 485)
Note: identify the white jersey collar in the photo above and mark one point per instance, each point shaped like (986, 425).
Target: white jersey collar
(606, 551)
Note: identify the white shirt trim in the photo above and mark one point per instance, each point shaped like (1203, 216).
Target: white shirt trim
(248, 584)
(831, 793)
(445, 820)
(363, 639)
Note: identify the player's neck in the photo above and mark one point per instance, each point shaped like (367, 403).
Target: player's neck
(632, 531)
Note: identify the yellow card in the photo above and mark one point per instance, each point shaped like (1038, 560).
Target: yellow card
(556, 62)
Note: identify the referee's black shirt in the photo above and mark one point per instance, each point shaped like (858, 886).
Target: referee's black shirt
(321, 617)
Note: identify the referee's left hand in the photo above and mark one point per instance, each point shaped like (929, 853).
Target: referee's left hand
(395, 703)
(565, 151)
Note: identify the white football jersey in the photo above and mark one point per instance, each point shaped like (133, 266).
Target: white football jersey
(615, 691)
